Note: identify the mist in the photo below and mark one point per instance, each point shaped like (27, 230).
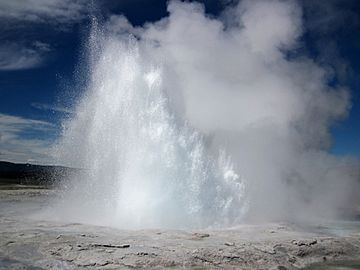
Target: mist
(240, 93)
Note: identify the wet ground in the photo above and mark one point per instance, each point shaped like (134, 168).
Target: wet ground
(28, 242)
(339, 265)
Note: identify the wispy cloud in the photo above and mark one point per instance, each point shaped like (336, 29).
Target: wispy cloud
(15, 56)
(331, 15)
(25, 51)
(49, 11)
(24, 140)
(50, 107)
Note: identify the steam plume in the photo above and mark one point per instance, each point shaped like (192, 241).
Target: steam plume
(239, 82)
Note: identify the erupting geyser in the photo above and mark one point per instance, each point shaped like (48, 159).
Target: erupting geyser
(194, 122)
(143, 169)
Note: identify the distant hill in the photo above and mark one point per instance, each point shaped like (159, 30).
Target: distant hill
(18, 173)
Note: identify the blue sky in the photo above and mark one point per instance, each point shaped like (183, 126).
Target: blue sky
(41, 45)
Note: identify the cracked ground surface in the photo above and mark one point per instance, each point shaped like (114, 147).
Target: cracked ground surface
(31, 243)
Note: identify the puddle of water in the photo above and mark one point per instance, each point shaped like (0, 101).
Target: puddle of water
(335, 228)
(7, 263)
(340, 265)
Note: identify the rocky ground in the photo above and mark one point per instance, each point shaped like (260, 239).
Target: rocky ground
(27, 242)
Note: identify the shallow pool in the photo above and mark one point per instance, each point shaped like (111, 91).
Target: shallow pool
(340, 265)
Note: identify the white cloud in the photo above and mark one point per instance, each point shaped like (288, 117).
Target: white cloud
(50, 107)
(43, 11)
(20, 139)
(18, 14)
(16, 56)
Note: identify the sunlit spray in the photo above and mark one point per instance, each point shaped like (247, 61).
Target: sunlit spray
(142, 168)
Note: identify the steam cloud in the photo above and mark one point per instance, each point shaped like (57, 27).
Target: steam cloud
(241, 82)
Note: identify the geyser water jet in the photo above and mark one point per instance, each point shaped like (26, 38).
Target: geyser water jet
(143, 167)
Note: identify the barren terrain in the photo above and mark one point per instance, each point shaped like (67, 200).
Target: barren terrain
(28, 242)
